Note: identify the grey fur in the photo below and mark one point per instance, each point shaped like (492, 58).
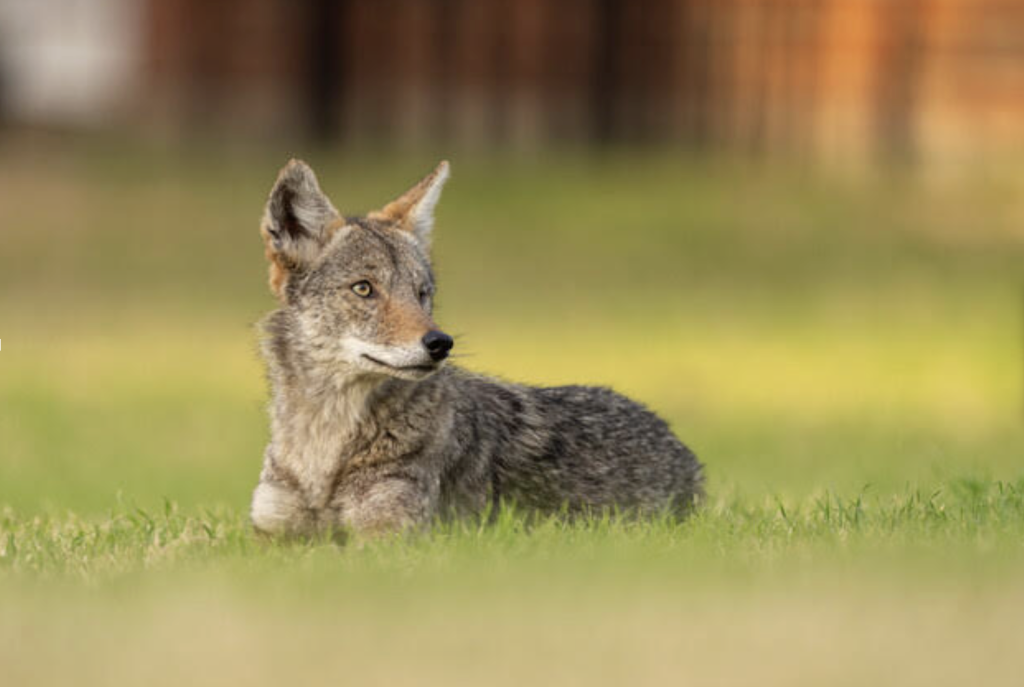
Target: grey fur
(382, 446)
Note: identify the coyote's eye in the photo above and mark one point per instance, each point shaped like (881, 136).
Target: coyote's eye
(362, 289)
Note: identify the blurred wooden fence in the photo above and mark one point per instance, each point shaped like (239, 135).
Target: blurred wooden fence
(899, 77)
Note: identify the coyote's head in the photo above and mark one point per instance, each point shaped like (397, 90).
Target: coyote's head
(358, 290)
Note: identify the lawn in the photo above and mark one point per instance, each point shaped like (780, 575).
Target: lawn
(843, 353)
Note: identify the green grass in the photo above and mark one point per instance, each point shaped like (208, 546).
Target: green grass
(737, 535)
(911, 587)
(843, 354)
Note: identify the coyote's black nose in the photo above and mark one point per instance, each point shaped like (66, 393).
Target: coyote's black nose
(438, 344)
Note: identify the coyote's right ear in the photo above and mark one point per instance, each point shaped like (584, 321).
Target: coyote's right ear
(295, 224)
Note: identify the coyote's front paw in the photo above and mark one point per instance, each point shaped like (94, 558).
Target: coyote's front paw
(388, 507)
(278, 510)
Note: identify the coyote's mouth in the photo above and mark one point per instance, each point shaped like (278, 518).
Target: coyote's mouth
(403, 368)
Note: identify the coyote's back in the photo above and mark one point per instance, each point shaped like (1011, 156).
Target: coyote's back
(580, 448)
(371, 430)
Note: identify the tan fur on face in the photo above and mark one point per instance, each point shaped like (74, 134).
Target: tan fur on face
(406, 322)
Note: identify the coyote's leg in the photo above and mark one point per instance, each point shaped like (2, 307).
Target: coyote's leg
(278, 509)
(385, 506)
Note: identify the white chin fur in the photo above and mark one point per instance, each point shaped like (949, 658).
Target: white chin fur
(406, 363)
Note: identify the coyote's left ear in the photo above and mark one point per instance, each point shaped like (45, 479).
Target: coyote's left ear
(414, 210)
(296, 223)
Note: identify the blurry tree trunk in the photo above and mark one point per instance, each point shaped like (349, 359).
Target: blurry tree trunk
(693, 73)
(897, 72)
(810, 66)
(324, 71)
(445, 38)
(758, 136)
(3, 98)
(605, 83)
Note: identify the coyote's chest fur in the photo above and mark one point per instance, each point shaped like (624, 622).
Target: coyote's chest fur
(315, 435)
(370, 429)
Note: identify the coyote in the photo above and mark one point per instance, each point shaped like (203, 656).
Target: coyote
(371, 432)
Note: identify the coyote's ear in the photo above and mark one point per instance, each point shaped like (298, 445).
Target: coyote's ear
(414, 210)
(296, 223)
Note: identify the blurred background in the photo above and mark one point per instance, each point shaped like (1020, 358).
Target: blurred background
(793, 227)
(924, 80)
